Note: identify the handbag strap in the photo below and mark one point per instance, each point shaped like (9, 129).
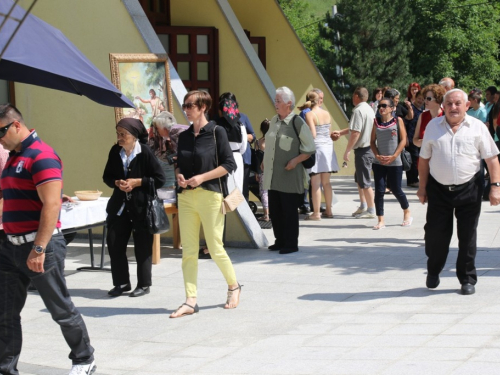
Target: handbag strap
(152, 190)
(295, 129)
(217, 158)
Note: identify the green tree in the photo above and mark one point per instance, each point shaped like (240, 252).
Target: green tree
(371, 44)
(304, 23)
(456, 39)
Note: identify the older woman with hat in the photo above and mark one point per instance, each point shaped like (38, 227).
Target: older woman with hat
(130, 166)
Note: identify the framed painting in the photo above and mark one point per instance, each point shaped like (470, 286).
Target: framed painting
(145, 80)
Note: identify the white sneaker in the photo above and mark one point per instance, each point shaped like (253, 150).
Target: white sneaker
(86, 369)
(366, 215)
(358, 211)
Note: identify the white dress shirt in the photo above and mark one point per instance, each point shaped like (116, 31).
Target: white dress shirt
(456, 157)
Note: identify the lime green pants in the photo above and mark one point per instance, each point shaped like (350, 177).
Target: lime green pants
(202, 207)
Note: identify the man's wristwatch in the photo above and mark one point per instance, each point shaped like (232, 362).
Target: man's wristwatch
(38, 249)
(495, 184)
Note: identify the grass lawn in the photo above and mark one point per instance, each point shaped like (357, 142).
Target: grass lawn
(318, 8)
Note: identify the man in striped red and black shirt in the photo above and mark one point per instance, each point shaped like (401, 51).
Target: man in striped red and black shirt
(35, 247)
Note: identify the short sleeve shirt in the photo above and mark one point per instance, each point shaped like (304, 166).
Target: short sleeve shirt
(456, 157)
(362, 122)
(282, 145)
(36, 164)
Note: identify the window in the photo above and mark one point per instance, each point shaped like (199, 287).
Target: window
(157, 11)
(194, 53)
(259, 45)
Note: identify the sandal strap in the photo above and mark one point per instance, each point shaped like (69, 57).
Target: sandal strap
(238, 287)
(185, 304)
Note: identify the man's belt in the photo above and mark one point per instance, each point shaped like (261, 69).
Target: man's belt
(25, 238)
(461, 186)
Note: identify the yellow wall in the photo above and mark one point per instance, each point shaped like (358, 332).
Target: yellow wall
(236, 73)
(287, 62)
(80, 130)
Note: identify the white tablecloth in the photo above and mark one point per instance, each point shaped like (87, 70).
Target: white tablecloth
(83, 213)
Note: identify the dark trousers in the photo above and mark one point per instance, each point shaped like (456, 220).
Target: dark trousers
(442, 204)
(412, 174)
(393, 176)
(283, 210)
(15, 277)
(119, 231)
(246, 177)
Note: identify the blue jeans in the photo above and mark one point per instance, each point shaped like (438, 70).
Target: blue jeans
(394, 176)
(15, 277)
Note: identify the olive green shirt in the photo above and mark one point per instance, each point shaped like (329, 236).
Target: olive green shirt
(282, 145)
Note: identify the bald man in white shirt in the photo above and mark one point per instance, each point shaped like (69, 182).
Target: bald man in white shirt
(452, 183)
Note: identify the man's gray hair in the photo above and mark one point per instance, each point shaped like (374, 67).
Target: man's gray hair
(286, 95)
(466, 97)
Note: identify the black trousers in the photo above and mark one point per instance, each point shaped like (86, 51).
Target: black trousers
(283, 210)
(119, 231)
(412, 174)
(15, 277)
(442, 204)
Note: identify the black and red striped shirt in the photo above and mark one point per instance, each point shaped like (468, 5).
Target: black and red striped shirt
(36, 164)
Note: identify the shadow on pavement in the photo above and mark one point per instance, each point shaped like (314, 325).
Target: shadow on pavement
(368, 296)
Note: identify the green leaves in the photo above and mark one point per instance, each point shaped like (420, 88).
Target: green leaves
(395, 42)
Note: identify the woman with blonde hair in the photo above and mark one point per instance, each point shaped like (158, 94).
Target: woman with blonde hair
(319, 121)
(204, 158)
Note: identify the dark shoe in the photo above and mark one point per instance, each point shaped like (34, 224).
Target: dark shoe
(274, 247)
(304, 210)
(118, 290)
(468, 289)
(139, 291)
(432, 281)
(203, 255)
(288, 250)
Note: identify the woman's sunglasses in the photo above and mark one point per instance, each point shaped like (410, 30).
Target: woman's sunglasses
(5, 129)
(382, 106)
(188, 105)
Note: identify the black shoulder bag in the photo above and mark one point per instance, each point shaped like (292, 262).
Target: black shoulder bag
(405, 155)
(156, 217)
(308, 163)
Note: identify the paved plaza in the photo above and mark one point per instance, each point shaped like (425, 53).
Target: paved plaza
(352, 301)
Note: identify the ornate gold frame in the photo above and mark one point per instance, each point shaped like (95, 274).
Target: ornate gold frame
(116, 58)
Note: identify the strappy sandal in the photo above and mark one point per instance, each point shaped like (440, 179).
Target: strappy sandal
(195, 310)
(230, 294)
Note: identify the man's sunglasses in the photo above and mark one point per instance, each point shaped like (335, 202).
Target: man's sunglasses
(429, 99)
(382, 106)
(5, 129)
(188, 105)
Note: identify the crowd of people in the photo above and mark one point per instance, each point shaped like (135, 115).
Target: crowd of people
(450, 135)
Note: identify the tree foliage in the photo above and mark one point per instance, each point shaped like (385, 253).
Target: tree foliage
(456, 39)
(370, 43)
(304, 24)
(394, 42)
